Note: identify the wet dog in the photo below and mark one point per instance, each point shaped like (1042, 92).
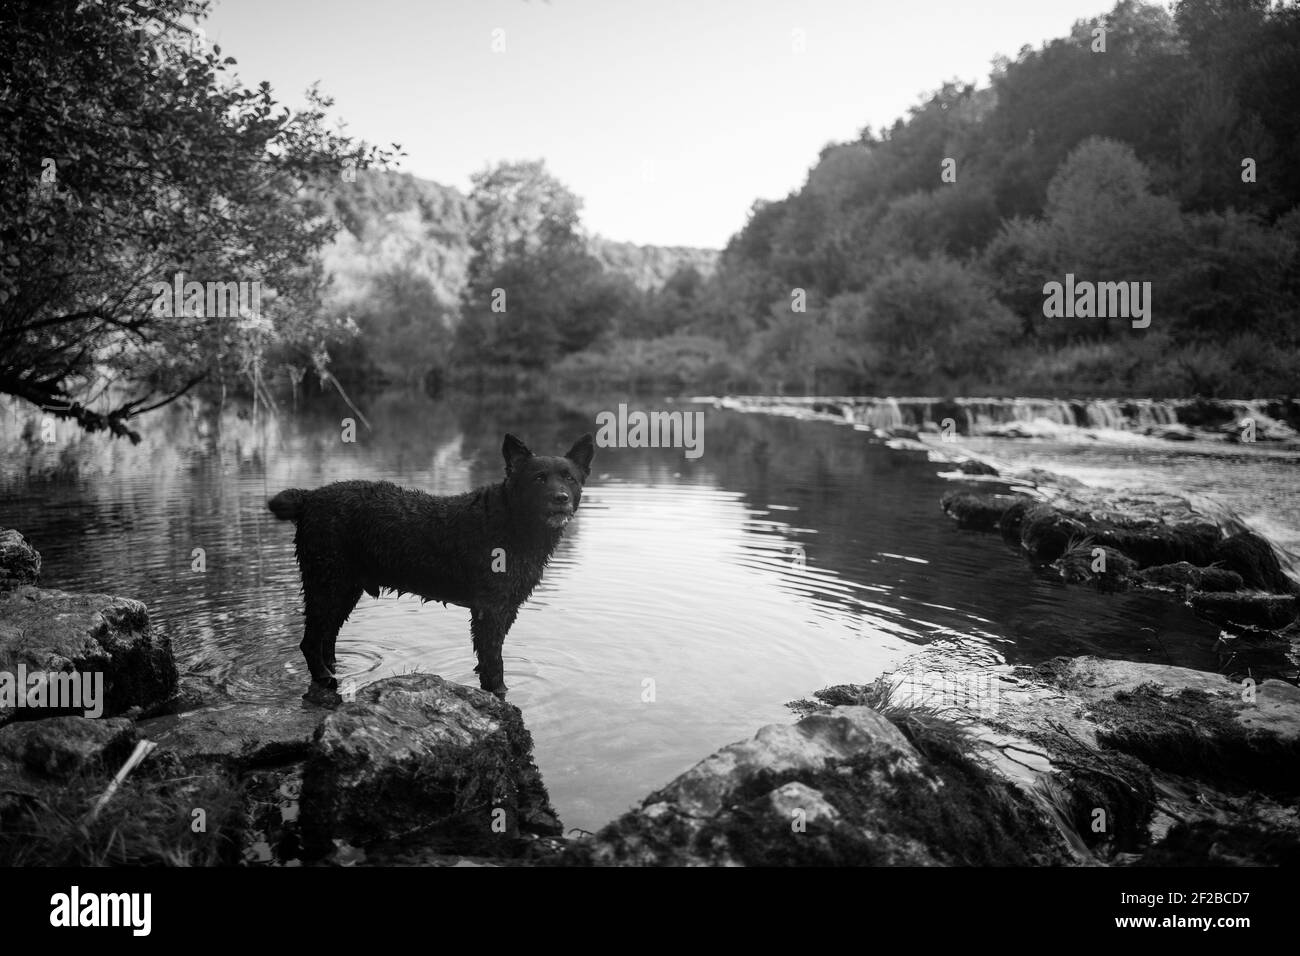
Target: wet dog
(484, 550)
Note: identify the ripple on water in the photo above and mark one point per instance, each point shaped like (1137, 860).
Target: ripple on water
(687, 602)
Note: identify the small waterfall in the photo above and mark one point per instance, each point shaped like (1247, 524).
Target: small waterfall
(1042, 416)
(1157, 413)
(1105, 413)
(1176, 419)
(984, 414)
(882, 413)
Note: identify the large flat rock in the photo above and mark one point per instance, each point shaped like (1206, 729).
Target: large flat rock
(419, 757)
(843, 787)
(242, 736)
(1131, 759)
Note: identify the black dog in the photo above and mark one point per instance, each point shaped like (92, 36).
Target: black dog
(484, 550)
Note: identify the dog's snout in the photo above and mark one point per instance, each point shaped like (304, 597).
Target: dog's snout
(560, 497)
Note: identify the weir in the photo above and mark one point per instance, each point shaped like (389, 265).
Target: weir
(975, 416)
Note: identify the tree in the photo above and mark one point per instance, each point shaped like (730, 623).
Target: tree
(404, 330)
(666, 310)
(955, 220)
(131, 155)
(1020, 259)
(1234, 279)
(1106, 219)
(922, 316)
(1101, 223)
(520, 210)
(534, 292)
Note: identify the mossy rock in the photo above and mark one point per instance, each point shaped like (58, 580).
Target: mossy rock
(1184, 574)
(1254, 559)
(974, 512)
(1046, 534)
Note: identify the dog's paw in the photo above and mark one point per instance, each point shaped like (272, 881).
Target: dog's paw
(323, 693)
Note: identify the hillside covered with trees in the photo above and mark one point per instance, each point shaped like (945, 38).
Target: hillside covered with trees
(1144, 147)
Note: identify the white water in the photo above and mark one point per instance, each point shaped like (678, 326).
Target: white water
(1099, 418)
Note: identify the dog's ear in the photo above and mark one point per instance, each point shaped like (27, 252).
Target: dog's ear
(514, 452)
(583, 450)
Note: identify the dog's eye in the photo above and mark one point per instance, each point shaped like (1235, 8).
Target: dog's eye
(540, 476)
(569, 478)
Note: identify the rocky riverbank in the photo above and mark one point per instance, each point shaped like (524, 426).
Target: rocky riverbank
(1226, 573)
(954, 759)
(1076, 762)
(415, 768)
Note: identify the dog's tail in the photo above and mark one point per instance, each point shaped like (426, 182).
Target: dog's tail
(287, 505)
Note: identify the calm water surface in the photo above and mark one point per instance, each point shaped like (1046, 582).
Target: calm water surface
(673, 619)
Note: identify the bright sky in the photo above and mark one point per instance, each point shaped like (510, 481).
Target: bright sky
(668, 117)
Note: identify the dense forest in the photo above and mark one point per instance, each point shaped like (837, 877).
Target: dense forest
(1166, 158)
(1147, 146)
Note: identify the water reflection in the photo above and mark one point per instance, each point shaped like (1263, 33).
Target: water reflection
(688, 601)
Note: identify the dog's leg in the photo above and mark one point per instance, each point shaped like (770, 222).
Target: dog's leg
(327, 604)
(345, 603)
(489, 626)
(313, 649)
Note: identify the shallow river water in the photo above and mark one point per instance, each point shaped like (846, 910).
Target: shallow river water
(689, 600)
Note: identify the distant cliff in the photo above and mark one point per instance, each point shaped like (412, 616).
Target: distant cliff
(650, 266)
(396, 221)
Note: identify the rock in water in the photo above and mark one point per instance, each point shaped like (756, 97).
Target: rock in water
(1185, 575)
(977, 512)
(1272, 612)
(1046, 534)
(1104, 568)
(1255, 560)
(972, 466)
(20, 563)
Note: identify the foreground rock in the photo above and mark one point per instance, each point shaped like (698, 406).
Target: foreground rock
(416, 770)
(238, 736)
(92, 634)
(416, 755)
(416, 767)
(845, 787)
(62, 747)
(55, 632)
(1138, 763)
(37, 756)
